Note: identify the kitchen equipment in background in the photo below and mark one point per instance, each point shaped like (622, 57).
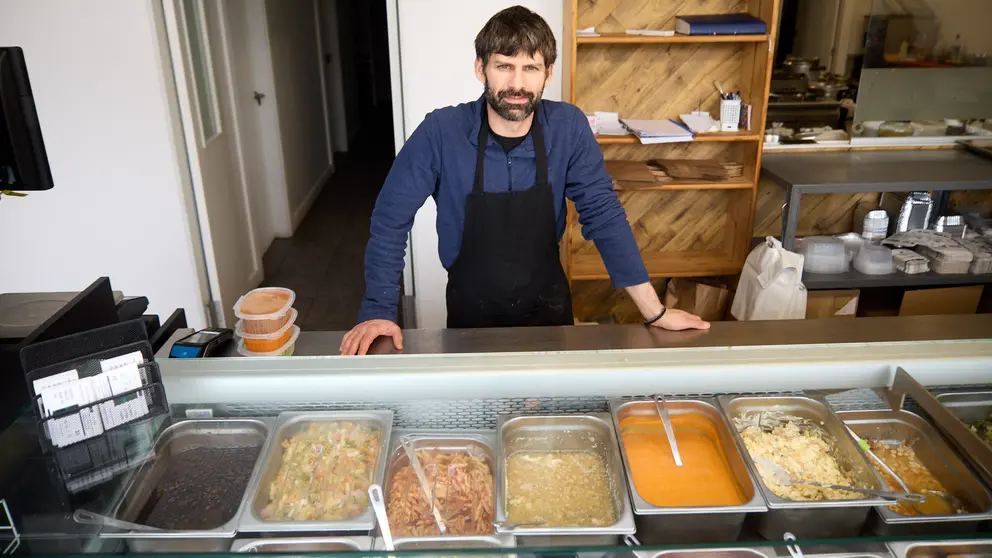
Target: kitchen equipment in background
(824, 254)
(929, 128)
(876, 226)
(909, 262)
(874, 260)
(800, 66)
(852, 244)
(915, 212)
(895, 130)
(953, 225)
(827, 89)
(867, 129)
(949, 259)
(981, 147)
(981, 249)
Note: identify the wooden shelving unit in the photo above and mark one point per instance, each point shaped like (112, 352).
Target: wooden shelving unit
(683, 228)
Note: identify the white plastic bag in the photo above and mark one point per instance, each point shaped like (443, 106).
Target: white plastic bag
(771, 285)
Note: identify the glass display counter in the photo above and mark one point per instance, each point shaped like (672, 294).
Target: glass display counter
(582, 441)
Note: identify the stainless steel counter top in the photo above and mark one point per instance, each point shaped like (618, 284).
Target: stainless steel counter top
(614, 337)
(609, 360)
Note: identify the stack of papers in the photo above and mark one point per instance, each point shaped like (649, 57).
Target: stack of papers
(608, 124)
(587, 32)
(658, 131)
(652, 32)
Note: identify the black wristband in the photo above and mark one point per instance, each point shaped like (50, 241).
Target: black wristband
(656, 318)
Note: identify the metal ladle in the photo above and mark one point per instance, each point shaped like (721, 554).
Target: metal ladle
(783, 478)
(659, 403)
(86, 517)
(379, 507)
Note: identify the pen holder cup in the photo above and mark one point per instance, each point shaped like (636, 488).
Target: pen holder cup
(730, 115)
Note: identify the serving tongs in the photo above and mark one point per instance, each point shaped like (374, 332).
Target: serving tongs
(782, 477)
(429, 495)
(949, 500)
(662, 406)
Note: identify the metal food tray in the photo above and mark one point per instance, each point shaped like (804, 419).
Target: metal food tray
(287, 425)
(938, 457)
(309, 544)
(757, 552)
(694, 524)
(943, 549)
(188, 434)
(968, 407)
(949, 414)
(437, 440)
(572, 433)
(809, 519)
(449, 544)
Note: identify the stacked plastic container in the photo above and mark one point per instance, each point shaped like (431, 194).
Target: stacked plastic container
(267, 322)
(825, 254)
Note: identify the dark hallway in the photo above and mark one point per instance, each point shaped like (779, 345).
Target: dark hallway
(324, 260)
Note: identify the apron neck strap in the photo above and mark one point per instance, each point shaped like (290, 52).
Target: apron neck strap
(541, 156)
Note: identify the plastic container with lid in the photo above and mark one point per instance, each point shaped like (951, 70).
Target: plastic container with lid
(266, 342)
(286, 350)
(824, 254)
(874, 260)
(265, 310)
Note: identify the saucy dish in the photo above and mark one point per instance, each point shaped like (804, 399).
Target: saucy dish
(801, 447)
(559, 489)
(325, 473)
(462, 484)
(901, 458)
(705, 479)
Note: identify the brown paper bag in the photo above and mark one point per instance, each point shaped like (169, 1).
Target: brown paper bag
(705, 298)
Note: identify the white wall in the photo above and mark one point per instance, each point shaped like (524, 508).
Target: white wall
(105, 100)
(334, 86)
(296, 62)
(437, 54)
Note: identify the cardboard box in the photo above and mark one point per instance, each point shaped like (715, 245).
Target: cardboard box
(931, 302)
(706, 298)
(832, 304)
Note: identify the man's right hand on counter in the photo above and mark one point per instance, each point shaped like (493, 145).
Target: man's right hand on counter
(360, 338)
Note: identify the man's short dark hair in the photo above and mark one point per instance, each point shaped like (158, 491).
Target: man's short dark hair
(516, 30)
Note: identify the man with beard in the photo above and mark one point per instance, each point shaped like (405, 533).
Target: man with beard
(500, 169)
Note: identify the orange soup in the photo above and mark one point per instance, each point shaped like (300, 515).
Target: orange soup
(705, 477)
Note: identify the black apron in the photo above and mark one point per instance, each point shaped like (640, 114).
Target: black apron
(508, 272)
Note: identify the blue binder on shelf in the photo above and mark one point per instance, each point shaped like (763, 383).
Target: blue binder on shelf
(720, 24)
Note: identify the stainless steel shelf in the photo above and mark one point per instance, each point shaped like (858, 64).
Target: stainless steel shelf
(857, 280)
(871, 171)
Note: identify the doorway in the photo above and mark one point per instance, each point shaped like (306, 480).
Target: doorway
(302, 90)
(323, 261)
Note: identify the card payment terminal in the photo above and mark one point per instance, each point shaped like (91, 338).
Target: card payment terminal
(204, 343)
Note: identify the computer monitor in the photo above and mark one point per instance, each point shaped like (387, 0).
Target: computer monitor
(23, 161)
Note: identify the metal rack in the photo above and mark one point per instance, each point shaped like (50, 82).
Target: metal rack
(874, 171)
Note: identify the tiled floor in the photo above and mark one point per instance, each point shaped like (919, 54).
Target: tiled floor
(323, 261)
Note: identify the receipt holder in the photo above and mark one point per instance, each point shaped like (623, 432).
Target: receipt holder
(120, 429)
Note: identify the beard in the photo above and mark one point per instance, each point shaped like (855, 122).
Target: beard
(512, 111)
